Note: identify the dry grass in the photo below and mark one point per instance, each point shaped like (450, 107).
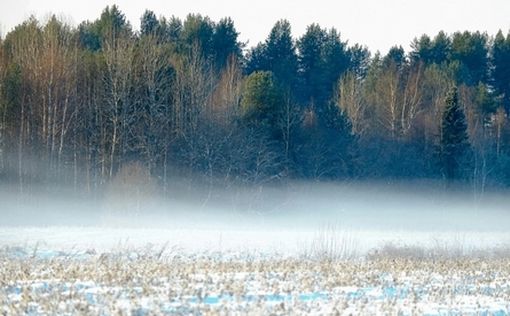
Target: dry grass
(331, 243)
(155, 282)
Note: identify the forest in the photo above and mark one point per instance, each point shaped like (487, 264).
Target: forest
(83, 105)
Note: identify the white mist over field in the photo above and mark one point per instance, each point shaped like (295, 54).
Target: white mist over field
(353, 218)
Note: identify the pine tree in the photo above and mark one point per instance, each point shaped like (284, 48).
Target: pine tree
(454, 144)
(262, 100)
(149, 23)
(277, 54)
(501, 67)
(225, 43)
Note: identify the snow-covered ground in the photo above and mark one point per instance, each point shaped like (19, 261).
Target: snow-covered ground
(151, 282)
(348, 249)
(334, 241)
(142, 271)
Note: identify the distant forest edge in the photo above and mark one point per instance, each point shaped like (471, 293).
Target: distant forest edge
(82, 106)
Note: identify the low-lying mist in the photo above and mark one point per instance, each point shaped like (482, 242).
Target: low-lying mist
(281, 217)
(298, 205)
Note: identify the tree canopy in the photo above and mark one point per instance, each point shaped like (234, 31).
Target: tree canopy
(186, 96)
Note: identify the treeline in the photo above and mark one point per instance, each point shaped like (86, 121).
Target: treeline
(187, 97)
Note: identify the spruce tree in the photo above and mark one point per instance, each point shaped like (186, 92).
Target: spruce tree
(454, 142)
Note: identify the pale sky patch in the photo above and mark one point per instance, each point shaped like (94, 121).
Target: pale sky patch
(375, 23)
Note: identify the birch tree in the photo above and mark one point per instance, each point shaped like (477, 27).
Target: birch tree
(118, 52)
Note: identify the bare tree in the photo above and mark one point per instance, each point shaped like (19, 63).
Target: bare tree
(350, 100)
(192, 93)
(154, 103)
(227, 92)
(118, 52)
(57, 82)
(288, 121)
(436, 84)
(25, 52)
(88, 132)
(500, 120)
(3, 106)
(193, 87)
(411, 98)
(388, 92)
(382, 93)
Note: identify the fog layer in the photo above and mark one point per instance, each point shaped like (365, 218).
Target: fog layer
(279, 218)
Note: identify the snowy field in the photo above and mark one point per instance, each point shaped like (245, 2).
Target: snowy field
(163, 281)
(333, 251)
(130, 271)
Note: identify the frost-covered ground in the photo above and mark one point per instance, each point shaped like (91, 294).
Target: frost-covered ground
(154, 281)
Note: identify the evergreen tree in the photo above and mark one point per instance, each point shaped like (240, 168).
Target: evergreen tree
(310, 62)
(197, 32)
(174, 29)
(501, 67)
(471, 51)
(281, 53)
(441, 48)
(484, 101)
(396, 56)
(359, 60)
(88, 36)
(323, 58)
(256, 59)
(277, 54)
(149, 24)
(111, 24)
(262, 101)
(454, 142)
(225, 43)
(422, 50)
(335, 59)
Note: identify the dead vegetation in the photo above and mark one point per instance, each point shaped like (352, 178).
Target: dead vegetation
(155, 282)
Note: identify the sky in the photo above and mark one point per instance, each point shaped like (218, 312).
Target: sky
(378, 24)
